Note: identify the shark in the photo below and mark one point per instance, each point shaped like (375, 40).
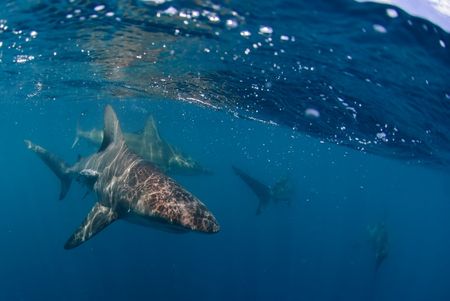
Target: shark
(380, 243)
(280, 191)
(127, 187)
(149, 145)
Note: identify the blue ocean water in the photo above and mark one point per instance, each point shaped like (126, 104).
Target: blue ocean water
(350, 101)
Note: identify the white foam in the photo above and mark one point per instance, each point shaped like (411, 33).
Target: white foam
(310, 112)
(155, 2)
(392, 13)
(265, 30)
(171, 11)
(20, 59)
(379, 28)
(246, 33)
(99, 7)
(231, 23)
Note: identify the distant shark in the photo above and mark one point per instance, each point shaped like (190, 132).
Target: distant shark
(280, 191)
(127, 187)
(150, 146)
(380, 243)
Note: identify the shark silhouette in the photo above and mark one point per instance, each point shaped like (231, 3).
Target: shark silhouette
(127, 187)
(150, 146)
(380, 243)
(280, 191)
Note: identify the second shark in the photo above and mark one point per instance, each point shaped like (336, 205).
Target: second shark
(150, 146)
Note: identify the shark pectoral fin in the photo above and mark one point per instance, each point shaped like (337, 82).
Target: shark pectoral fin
(99, 217)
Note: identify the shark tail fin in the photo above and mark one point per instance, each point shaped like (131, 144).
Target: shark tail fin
(261, 190)
(112, 133)
(58, 166)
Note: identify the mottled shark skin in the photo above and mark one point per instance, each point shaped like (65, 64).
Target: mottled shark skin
(150, 146)
(280, 191)
(127, 187)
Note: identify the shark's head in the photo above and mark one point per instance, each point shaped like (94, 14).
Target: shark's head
(168, 203)
(196, 218)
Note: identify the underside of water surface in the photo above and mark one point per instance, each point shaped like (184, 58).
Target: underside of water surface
(363, 75)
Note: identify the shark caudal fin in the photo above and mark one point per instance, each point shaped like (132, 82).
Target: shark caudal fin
(58, 166)
(262, 191)
(112, 133)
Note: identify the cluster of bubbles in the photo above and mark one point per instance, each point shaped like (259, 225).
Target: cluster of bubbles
(20, 37)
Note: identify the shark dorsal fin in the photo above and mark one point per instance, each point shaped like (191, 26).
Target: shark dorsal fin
(112, 132)
(151, 131)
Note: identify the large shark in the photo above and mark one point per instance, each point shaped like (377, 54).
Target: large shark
(127, 187)
(280, 191)
(150, 146)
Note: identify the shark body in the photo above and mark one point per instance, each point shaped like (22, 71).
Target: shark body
(150, 146)
(127, 187)
(380, 243)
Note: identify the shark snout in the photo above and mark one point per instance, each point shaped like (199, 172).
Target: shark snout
(209, 224)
